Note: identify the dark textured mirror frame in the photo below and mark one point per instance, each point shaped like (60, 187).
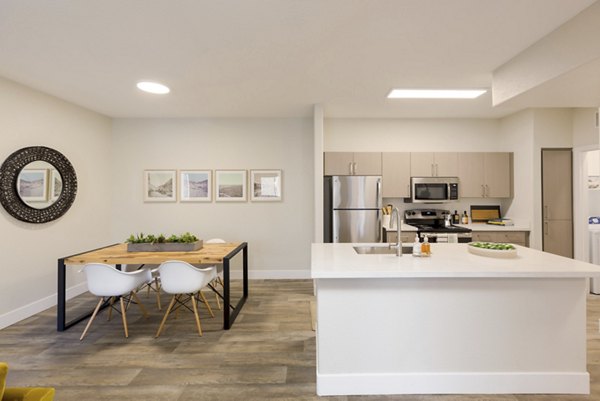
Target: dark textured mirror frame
(9, 173)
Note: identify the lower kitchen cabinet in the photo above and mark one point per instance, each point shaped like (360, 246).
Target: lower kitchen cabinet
(512, 237)
(392, 236)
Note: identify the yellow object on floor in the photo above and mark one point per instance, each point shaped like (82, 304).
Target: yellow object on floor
(22, 393)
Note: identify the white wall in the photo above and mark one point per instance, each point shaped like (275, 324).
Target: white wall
(29, 251)
(585, 131)
(413, 135)
(279, 234)
(517, 133)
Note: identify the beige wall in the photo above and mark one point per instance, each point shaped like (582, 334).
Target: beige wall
(279, 234)
(29, 251)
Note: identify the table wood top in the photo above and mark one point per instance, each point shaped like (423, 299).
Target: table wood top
(117, 254)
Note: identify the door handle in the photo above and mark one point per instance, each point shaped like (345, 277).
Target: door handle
(487, 191)
(437, 173)
(482, 191)
(545, 211)
(546, 228)
(350, 168)
(432, 171)
(354, 168)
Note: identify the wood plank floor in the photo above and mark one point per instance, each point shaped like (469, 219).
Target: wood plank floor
(269, 354)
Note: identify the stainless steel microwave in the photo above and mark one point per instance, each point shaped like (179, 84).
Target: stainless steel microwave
(433, 189)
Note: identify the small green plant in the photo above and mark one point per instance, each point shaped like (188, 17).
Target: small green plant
(140, 238)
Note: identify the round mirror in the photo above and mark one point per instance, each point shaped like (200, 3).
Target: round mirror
(37, 184)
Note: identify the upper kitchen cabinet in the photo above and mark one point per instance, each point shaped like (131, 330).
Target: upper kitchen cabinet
(484, 175)
(396, 174)
(430, 164)
(352, 163)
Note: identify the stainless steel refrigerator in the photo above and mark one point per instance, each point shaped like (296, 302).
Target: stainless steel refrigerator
(352, 209)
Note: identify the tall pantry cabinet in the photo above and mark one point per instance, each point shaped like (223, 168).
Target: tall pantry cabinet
(557, 205)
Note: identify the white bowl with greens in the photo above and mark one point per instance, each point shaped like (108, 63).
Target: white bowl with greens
(492, 249)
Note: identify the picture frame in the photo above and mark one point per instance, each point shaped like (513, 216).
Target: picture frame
(230, 185)
(160, 185)
(55, 184)
(195, 185)
(266, 185)
(32, 185)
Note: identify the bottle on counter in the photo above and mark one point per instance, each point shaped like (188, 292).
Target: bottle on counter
(455, 217)
(425, 247)
(465, 218)
(416, 246)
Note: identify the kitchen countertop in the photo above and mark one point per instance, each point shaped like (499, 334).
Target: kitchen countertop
(403, 226)
(520, 225)
(447, 260)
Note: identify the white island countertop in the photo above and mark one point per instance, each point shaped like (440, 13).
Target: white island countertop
(447, 260)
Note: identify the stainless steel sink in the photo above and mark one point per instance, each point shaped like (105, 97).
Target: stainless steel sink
(380, 250)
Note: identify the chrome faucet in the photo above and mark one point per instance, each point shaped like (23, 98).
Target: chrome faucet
(398, 244)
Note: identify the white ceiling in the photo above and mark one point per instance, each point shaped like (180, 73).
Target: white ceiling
(271, 58)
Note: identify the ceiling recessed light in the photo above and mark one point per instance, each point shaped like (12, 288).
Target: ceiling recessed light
(435, 93)
(153, 87)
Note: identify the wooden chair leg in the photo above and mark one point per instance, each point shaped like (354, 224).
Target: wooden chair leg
(218, 301)
(110, 308)
(124, 316)
(156, 283)
(178, 298)
(135, 297)
(206, 303)
(91, 319)
(195, 306)
(165, 317)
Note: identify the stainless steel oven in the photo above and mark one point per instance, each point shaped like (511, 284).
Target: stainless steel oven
(433, 189)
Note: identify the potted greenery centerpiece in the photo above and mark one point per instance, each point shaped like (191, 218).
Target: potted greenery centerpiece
(159, 243)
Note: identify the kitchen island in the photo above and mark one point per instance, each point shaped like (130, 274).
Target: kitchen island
(451, 323)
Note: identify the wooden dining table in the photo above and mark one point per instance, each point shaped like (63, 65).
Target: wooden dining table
(118, 255)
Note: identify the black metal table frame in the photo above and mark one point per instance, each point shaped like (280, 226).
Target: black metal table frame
(230, 312)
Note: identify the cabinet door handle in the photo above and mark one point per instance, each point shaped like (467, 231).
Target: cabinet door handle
(545, 211)
(432, 171)
(437, 173)
(487, 191)
(354, 169)
(546, 228)
(482, 191)
(350, 168)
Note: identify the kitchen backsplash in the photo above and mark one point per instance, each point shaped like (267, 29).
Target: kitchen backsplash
(462, 205)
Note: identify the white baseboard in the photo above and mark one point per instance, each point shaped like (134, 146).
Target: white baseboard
(273, 274)
(38, 306)
(455, 383)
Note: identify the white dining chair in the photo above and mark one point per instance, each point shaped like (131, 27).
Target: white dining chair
(153, 284)
(105, 281)
(185, 283)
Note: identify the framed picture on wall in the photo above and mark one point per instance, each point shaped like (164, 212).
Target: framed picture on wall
(265, 185)
(32, 185)
(160, 185)
(230, 185)
(195, 185)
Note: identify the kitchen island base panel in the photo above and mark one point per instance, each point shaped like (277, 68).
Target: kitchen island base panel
(451, 335)
(453, 383)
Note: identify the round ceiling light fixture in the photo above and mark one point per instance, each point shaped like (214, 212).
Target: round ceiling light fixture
(153, 87)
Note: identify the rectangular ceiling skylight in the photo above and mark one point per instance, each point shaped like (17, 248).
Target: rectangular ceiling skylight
(435, 93)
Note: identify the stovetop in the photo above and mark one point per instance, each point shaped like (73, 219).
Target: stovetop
(424, 228)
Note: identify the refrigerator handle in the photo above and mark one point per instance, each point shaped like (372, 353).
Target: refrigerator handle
(379, 201)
